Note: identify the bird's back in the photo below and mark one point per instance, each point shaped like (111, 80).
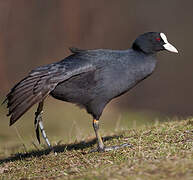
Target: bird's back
(114, 73)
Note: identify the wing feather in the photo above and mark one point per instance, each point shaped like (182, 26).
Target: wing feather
(39, 83)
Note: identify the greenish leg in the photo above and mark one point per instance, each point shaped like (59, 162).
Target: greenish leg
(39, 124)
(101, 147)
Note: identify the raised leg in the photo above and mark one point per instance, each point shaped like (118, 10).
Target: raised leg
(39, 124)
(101, 147)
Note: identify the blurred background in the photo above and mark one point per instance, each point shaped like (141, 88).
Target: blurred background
(34, 33)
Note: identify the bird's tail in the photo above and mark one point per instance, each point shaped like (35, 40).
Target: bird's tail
(23, 96)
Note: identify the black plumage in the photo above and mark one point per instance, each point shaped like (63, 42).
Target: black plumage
(89, 78)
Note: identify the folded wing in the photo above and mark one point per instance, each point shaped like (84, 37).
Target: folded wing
(39, 83)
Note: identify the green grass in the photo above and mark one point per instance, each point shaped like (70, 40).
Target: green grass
(159, 151)
(64, 123)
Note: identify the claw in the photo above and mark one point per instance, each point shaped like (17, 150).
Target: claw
(38, 133)
(110, 148)
(36, 123)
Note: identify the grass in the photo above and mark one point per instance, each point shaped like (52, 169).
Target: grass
(64, 123)
(159, 151)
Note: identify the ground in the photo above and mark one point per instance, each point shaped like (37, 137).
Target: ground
(163, 150)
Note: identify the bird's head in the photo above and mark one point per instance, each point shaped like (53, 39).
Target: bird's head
(152, 42)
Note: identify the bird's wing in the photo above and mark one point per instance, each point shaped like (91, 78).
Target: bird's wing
(39, 83)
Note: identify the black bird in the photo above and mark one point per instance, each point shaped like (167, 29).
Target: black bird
(88, 78)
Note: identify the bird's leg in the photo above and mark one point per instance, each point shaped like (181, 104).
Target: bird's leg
(101, 147)
(98, 136)
(39, 124)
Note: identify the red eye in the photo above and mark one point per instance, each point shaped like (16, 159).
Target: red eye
(158, 39)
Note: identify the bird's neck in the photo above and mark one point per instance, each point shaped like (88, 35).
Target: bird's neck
(137, 48)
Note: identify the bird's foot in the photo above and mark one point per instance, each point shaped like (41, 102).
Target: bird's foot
(110, 148)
